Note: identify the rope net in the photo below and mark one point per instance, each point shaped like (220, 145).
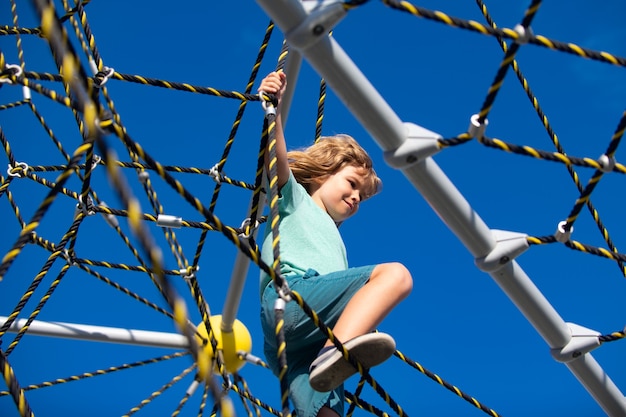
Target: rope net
(127, 199)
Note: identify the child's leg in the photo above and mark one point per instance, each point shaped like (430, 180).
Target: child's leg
(389, 284)
(327, 412)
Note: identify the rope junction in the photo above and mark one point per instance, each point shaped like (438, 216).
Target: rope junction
(87, 99)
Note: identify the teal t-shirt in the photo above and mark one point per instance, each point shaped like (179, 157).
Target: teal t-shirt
(309, 238)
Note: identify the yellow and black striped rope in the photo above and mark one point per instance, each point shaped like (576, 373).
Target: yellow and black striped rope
(49, 184)
(230, 233)
(268, 142)
(357, 395)
(257, 187)
(124, 290)
(38, 308)
(593, 181)
(16, 210)
(183, 401)
(171, 296)
(56, 142)
(15, 389)
(320, 110)
(99, 372)
(183, 223)
(138, 165)
(612, 337)
(245, 394)
(4, 188)
(74, 76)
(474, 26)
(184, 87)
(125, 267)
(13, 30)
(170, 235)
(544, 119)
(447, 385)
(281, 356)
(18, 38)
(130, 246)
(90, 41)
(63, 53)
(356, 401)
(42, 273)
(46, 92)
(13, 105)
(177, 305)
(160, 391)
(573, 244)
(509, 58)
(559, 157)
(42, 76)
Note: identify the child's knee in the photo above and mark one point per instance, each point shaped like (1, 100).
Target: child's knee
(404, 278)
(396, 274)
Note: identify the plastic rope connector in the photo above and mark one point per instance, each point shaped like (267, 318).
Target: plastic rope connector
(188, 273)
(103, 76)
(17, 71)
(319, 22)
(524, 34)
(477, 129)
(283, 292)
(192, 387)
(96, 160)
(166, 220)
(85, 206)
(109, 218)
(19, 170)
(69, 258)
(144, 176)
(215, 174)
(607, 163)
(420, 143)
(246, 229)
(267, 105)
(562, 235)
(509, 245)
(583, 341)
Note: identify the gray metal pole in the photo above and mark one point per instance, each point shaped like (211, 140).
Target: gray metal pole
(308, 33)
(458, 215)
(100, 333)
(242, 262)
(332, 63)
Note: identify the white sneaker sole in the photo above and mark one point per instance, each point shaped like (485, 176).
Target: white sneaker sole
(369, 350)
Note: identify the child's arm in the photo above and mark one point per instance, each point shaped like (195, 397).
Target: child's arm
(276, 83)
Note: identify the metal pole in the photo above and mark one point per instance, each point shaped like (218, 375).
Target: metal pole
(302, 31)
(242, 262)
(100, 333)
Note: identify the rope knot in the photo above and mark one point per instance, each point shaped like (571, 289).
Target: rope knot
(9, 72)
(103, 76)
(18, 170)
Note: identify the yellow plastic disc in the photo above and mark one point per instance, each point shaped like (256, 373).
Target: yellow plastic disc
(229, 343)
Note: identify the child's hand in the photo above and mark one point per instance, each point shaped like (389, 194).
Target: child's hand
(275, 83)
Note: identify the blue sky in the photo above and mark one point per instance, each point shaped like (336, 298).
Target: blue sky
(457, 323)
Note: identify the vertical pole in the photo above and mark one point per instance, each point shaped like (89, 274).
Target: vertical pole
(242, 262)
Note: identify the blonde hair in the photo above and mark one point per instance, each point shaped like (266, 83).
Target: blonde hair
(328, 156)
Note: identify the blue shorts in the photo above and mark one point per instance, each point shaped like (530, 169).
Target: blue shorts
(328, 296)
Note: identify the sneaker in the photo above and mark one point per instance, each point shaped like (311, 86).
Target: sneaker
(330, 369)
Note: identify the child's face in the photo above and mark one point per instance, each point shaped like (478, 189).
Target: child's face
(339, 194)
